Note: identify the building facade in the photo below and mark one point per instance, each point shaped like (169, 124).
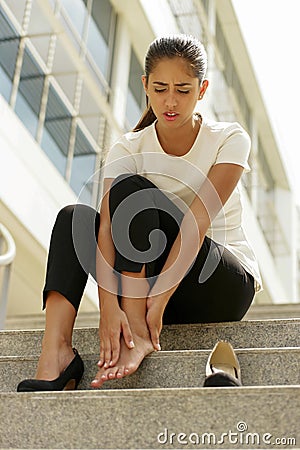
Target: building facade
(70, 85)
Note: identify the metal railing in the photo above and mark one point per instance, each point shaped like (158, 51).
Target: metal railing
(6, 260)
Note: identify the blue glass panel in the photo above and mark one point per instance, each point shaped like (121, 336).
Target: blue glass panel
(102, 12)
(56, 133)
(135, 95)
(133, 110)
(58, 121)
(76, 11)
(30, 92)
(83, 167)
(5, 85)
(81, 178)
(26, 114)
(9, 45)
(54, 153)
(97, 47)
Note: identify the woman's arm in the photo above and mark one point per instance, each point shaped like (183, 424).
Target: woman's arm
(113, 321)
(212, 196)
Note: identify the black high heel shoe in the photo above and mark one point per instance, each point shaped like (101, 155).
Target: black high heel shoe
(73, 373)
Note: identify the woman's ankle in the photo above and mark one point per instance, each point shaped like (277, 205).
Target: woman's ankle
(57, 343)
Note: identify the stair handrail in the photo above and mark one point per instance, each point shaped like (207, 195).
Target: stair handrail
(5, 260)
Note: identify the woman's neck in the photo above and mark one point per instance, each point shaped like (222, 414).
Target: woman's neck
(179, 141)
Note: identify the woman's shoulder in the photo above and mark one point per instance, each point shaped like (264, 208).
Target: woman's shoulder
(132, 137)
(131, 142)
(223, 128)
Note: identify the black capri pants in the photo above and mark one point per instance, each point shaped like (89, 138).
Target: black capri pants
(137, 209)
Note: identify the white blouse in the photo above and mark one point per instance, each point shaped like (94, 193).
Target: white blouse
(180, 177)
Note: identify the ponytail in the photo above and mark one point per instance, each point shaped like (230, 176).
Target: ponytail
(147, 119)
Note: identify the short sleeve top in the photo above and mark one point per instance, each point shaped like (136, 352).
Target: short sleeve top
(180, 177)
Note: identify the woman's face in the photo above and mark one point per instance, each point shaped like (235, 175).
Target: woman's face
(173, 92)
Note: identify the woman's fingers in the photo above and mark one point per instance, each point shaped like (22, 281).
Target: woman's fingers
(107, 353)
(109, 349)
(128, 338)
(154, 322)
(154, 335)
(110, 339)
(101, 360)
(115, 349)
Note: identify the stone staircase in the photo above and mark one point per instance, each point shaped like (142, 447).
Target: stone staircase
(163, 405)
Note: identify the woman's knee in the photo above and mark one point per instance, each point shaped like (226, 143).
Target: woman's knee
(65, 214)
(77, 213)
(128, 190)
(130, 178)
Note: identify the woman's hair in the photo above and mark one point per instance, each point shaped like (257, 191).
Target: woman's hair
(178, 45)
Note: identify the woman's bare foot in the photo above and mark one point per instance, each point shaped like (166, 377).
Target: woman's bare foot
(129, 360)
(52, 362)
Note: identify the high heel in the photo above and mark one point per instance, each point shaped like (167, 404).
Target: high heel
(222, 368)
(73, 373)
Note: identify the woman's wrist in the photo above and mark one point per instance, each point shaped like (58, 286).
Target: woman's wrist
(160, 300)
(107, 299)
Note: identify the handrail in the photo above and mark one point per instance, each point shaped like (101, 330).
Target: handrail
(10, 254)
(5, 260)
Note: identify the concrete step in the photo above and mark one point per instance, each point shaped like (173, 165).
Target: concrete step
(91, 319)
(273, 311)
(245, 334)
(174, 369)
(244, 417)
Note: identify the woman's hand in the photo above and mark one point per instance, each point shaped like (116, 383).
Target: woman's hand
(154, 317)
(113, 324)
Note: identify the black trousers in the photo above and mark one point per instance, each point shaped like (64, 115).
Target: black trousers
(145, 223)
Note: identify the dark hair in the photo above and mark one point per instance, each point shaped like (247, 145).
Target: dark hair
(178, 45)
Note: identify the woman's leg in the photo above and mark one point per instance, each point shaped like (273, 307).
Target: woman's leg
(71, 258)
(229, 289)
(57, 350)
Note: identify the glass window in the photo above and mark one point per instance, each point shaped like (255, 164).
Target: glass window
(5, 85)
(98, 40)
(133, 111)
(98, 48)
(56, 133)
(53, 152)
(30, 92)
(9, 45)
(83, 167)
(26, 114)
(101, 13)
(136, 95)
(76, 12)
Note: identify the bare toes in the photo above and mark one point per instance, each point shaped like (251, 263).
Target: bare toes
(112, 373)
(99, 379)
(120, 373)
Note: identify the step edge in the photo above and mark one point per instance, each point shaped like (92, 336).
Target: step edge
(240, 390)
(240, 324)
(171, 353)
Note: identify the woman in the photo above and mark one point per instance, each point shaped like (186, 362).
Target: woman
(171, 246)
